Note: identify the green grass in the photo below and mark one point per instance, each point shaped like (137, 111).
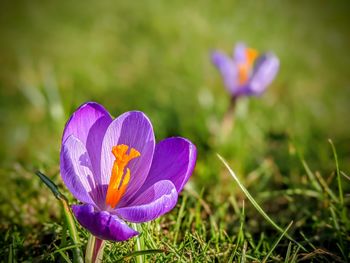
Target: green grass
(154, 56)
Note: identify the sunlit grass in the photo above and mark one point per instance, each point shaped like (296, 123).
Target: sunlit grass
(154, 57)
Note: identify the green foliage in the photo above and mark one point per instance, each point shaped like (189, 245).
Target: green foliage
(154, 56)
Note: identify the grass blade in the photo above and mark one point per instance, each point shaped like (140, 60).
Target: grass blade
(343, 207)
(139, 245)
(255, 204)
(311, 176)
(340, 188)
(63, 255)
(277, 242)
(179, 218)
(244, 250)
(77, 255)
(286, 258)
(326, 188)
(10, 256)
(139, 253)
(51, 185)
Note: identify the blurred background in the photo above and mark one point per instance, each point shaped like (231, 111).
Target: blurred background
(154, 56)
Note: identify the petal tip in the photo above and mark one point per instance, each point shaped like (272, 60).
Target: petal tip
(92, 109)
(103, 224)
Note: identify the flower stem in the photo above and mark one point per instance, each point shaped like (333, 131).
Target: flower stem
(94, 250)
(228, 119)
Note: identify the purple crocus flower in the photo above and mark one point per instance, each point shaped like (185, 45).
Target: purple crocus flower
(247, 73)
(119, 173)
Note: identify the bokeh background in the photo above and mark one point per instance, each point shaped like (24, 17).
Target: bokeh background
(154, 56)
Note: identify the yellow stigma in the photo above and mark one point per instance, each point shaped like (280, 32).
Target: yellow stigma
(119, 181)
(245, 68)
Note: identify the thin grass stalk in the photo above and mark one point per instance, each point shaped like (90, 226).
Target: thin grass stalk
(311, 176)
(77, 255)
(340, 187)
(137, 253)
(139, 245)
(343, 208)
(286, 258)
(255, 204)
(64, 234)
(179, 218)
(277, 242)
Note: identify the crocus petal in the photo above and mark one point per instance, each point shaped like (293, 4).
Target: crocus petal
(83, 119)
(174, 159)
(264, 73)
(89, 124)
(135, 130)
(157, 200)
(239, 53)
(102, 224)
(75, 168)
(228, 70)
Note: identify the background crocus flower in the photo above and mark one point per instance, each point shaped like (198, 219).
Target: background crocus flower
(247, 73)
(115, 168)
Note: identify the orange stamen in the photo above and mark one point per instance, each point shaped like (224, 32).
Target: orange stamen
(119, 181)
(251, 54)
(245, 68)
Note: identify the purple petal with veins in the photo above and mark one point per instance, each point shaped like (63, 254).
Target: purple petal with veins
(155, 201)
(103, 224)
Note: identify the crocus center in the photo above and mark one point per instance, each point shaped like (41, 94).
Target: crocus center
(244, 69)
(119, 178)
